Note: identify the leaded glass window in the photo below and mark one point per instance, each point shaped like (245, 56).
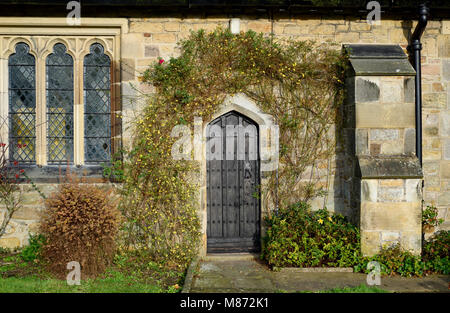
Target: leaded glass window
(22, 105)
(59, 74)
(97, 105)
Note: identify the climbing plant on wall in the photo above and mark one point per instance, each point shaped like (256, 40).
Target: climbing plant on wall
(299, 83)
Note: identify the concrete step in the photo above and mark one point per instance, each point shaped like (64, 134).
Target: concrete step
(213, 257)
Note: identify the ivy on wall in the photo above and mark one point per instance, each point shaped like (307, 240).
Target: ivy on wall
(299, 83)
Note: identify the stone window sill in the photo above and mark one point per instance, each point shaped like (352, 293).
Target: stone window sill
(58, 173)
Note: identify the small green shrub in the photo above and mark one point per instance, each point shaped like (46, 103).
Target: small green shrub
(33, 250)
(298, 237)
(394, 261)
(435, 253)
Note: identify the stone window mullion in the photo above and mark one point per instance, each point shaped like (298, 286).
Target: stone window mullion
(4, 100)
(78, 114)
(41, 129)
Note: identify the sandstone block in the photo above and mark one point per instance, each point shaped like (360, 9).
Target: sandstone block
(10, 243)
(347, 37)
(172, 26)
(431, 69)
(447, 149)
(165, 38)
(33, 198)
(146, 27)
(446, 27)
(445, 124)
(431, 168)
(408, 89)
(391, 182)
(375, 115)
(384, 134)
(296, 29)
(446, 70)
(391, 91)
(398, 35)
(390, 194)
(260, 26)
(360, 26)
(370, 242)
(128, 69)
(362, 146)
(431, 155)
(151, 51)
(443, 47)
(444, 198)
(367, 89)
(131, 46)
(369, 190)
(392, 147)
(410, 141)
(390, 216)
(390, 236)
(324, 29)
(27, 213)
(413, 190)
(445, 169)
(412, 241)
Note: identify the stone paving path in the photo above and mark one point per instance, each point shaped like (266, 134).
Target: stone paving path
(245, 273)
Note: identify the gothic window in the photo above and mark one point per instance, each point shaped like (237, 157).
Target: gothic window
(59, 100)
(97, 105)
(59, 95)
(22, 105)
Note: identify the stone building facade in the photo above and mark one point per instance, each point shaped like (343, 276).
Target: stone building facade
(387, 203)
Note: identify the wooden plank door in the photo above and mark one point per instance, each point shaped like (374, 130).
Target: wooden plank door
(233, 206)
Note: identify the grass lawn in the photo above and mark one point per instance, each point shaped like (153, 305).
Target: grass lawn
(127, 275)
(116, 283)
(360, 289)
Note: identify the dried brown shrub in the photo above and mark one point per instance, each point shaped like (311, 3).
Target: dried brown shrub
(80, 224)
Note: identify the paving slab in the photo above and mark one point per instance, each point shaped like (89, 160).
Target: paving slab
(228, 273)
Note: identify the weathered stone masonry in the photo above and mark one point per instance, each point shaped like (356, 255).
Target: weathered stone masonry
(387, 174)
(377, 134)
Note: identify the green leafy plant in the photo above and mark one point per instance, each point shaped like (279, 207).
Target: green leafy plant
(394, 261)
(33, 251)
(299, 237)
(430, 217)
(4, 250)
(435, 253)
(115, 171)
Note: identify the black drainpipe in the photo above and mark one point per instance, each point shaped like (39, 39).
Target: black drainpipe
(414, 47)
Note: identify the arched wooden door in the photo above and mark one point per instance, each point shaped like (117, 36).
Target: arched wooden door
(233, 205)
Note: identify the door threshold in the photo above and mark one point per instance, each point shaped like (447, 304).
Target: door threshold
(237, 256)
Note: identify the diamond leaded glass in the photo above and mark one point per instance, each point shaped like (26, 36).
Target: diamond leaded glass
(22, 105)
(97, 105)
(59, 73)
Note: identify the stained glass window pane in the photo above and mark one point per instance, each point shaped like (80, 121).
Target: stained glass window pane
(59, 73)
(97, 105)
(22, 105)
